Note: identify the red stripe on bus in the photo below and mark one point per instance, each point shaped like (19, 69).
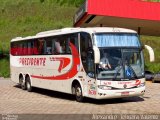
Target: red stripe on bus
(64, 62)
(71, 73)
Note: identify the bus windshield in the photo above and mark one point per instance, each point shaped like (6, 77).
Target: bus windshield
(119, 59)
(117, 40)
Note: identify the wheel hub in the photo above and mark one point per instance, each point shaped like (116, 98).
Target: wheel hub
(78, 91)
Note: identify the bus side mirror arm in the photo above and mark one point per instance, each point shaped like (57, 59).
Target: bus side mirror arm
(96, 54)
(151, 53)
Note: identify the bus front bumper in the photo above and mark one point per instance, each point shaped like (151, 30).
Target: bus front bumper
(108, 94)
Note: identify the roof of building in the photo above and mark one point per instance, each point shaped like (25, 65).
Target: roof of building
(138, 15)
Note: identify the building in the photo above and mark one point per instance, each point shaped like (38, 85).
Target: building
(139, 15)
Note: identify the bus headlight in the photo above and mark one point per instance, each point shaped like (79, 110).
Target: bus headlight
(103, 87)
(141, 85)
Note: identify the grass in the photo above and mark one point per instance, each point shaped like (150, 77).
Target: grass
(154, 42)
(4, 65)
(28, 17)
(23, 18)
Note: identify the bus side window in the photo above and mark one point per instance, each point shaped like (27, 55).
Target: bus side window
(14, 47)
(35, 47)
(68, 49)
(57, 47)
(53, 47)
(65, 44)
(48, 46)
(25, 51)
(61, 45)
(30, 47)
(41, 46)
(20, 50)
(73, 38)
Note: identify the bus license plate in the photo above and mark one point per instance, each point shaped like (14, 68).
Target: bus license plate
(124, 93)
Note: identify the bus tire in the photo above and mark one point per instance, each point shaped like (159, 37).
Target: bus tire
(28, 85)
(22, 83)
(78, 93)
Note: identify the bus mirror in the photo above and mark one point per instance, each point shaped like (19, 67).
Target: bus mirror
(151, 53)
(96, 54)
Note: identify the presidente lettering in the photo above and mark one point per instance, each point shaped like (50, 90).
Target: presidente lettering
(32, 61)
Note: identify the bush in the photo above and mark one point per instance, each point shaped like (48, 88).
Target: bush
(1, 54)
(154, 67)
(4, 67)
(41, 1)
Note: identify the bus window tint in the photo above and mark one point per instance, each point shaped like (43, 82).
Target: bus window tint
(73, 38)
(57, 45)
(35, 47)
(41, 43)
(48, 46)
(30, 48)
(87, 54)
(13, 48)
(61, 44)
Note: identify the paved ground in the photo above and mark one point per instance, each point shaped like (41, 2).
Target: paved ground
(13, 100)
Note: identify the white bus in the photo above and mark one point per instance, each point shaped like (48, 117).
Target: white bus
(73, 60)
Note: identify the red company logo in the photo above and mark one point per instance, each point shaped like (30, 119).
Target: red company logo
(138, 82)
(64, 62)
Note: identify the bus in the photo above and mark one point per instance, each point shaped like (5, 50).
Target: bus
(70, 60)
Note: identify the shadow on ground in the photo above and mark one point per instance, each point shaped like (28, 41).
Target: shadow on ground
(70, 97)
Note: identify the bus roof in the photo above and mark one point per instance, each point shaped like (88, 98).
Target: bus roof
(74, 30)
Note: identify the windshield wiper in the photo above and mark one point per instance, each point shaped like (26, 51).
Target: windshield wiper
(121, 66)
(116, 74)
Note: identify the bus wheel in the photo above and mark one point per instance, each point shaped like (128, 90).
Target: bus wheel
(22, 83)
(78, 93)
(28, 84)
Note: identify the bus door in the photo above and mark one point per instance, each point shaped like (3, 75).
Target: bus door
(87, 60)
